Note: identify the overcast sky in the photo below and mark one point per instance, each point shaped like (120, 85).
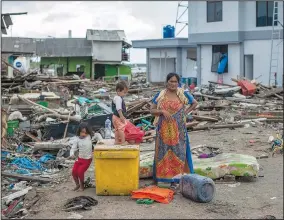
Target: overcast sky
(139, 20)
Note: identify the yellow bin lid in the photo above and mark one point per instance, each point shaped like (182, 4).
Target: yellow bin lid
(108, 145)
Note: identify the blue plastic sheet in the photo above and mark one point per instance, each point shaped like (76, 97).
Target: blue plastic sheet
(27, 163)
(19, 148)
(83, 100)
(46, 158)
(4, 155)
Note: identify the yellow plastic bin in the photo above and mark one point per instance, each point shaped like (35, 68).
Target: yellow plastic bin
(116, 169)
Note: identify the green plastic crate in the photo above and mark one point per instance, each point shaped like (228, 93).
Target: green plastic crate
(43, 103)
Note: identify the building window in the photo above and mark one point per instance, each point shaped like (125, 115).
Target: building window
(80, 68)
(264, 13)
(217, 52)
(214, 11)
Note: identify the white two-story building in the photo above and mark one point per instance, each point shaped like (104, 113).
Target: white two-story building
(241, 29)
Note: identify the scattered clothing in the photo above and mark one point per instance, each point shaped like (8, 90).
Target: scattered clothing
(154, 193)
(80, 202)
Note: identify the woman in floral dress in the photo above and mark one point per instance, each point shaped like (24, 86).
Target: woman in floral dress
(172, 149)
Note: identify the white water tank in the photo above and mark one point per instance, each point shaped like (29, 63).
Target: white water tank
(22, 64)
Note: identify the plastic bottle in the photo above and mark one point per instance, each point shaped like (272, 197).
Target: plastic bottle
(108, 129)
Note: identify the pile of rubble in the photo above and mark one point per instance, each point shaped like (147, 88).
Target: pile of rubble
(40, 116)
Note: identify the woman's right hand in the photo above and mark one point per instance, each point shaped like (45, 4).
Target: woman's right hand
(167, 115)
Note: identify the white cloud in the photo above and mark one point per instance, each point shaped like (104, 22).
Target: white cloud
(139, 20)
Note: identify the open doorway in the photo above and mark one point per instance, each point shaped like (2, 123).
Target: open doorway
(248, 65)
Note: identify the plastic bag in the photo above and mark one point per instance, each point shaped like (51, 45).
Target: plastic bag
(132, 133)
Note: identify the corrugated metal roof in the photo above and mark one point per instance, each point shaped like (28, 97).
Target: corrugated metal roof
(64, 47)
(18, 45)
(106, 35)
(56, 47)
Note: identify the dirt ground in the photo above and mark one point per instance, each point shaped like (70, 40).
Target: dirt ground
(246, 200)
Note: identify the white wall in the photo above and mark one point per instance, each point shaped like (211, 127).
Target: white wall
(260, 49)
(159, 69)
(107, 51)
(248, 16)
(197, 18)
(233, 64)
(168, 52)
(236, 16)
(188, 65)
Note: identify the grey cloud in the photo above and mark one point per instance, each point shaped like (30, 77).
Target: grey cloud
(32, 7)
(57, 16)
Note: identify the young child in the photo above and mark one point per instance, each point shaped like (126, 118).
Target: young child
(83, 143)
(119, 112)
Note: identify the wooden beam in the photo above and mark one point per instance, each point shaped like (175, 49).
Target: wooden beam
(27, 178)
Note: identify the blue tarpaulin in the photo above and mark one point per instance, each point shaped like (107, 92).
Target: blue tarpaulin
(46, 157)
(83, 100)
(27, 163)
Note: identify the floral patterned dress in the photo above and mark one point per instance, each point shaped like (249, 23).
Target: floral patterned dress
(172, 149)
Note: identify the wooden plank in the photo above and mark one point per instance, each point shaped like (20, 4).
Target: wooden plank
(223, 84)
(207, 96)
(27, 178)
(217, 127)
(145, 116)
(32, 137)
(204, 118)
(279, 96)
(270, 93)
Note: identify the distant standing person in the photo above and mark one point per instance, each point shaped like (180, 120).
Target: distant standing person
(83, 76)
(119, 112)
(64, 95)
(172, 148)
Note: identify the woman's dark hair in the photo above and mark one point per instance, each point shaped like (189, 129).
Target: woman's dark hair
(170, 75)
(121, 86)
(82, 126)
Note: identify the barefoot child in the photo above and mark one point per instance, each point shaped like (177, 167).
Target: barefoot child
(83, 143)
(119, 112)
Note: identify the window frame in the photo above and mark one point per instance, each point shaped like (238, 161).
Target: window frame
(266, 16)
(223, 48)
(215, 17)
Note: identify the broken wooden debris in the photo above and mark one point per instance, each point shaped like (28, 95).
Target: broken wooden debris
(204, 118)
(27, 178)
(217, 127)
